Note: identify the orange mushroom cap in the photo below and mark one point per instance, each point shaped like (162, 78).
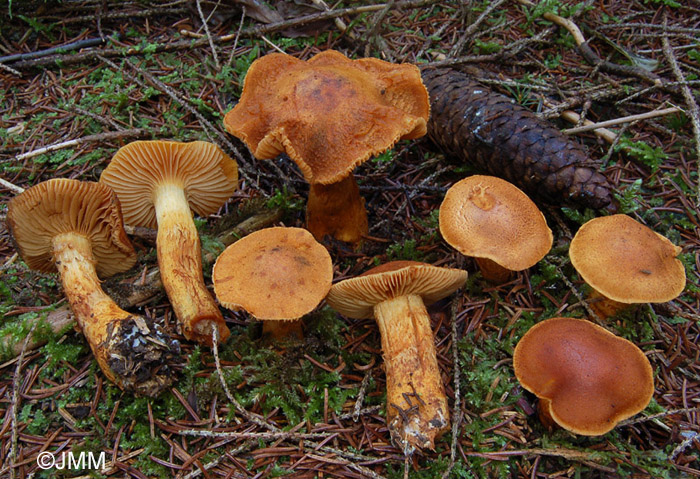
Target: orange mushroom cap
(487, 217)
(356, 297)
(589, 378)
(330, 113)
(627, 261)
(59, 206)
(275, 273)
(207, 174)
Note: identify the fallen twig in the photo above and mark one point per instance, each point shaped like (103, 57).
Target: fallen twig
(626, 119)
(108, 135)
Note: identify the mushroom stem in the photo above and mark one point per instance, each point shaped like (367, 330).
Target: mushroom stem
(117, 338)
(180, 262)
(281, 330)
(603, 306)
(417, 410)
(545, 415)
(337, 210)
(492, 271)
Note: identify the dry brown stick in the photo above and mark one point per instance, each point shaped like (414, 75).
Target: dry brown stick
(691, 104)
(469, 31)
(208, 35)
(457, 409)
(11, 186)
(591, 56)
(626, 119)
(263, 436)
(15, 404)
(254, 32)
(254, 418)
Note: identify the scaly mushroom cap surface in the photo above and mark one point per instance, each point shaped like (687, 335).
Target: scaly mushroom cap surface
(487, 217)
(356, 297)
(275, 273)
(59, 206)
(627, 261)
(591, 378)
(208, 176)
(330, 113)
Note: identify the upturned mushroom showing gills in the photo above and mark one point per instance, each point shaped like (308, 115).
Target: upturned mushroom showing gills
(76, 228)
(586, 378)
(625, 263)
(277, 275)
(159, 184)
(396, 294)
(329, 114)
(493, 221)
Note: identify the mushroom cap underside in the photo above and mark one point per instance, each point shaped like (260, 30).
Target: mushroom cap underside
(60, 206)
(356, 297)
(207, 174)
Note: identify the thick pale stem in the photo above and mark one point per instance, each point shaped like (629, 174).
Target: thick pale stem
(603, 306)
(492, 271)
(117, 338)
(337, 210)
(180, 262)
(417, 410)
(281, 330)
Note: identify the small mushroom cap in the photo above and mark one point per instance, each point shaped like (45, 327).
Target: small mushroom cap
(627, 261)
(207, 174)
(275, 273)
(592, 378)
(487, 217)
(61, 206)
(330, 113)
(356, 297)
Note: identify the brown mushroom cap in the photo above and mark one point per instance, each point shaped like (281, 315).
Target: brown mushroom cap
(487, 217)
(59, 206)
(330, 113)
(627, 261)
(275, 273)
(591, 378)
(208, 176)
(356, 297)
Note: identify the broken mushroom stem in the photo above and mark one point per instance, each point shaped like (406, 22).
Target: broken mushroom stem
(180, 261)
(115, 336)
(338, 210)
(417, 410)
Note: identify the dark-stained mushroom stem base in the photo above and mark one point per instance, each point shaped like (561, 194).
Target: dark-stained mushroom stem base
(102, 321)
(417, 410)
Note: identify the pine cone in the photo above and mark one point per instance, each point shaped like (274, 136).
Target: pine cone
(474, 124)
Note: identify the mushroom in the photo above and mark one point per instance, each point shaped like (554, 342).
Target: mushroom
(395, 294)
(626, 262)
(496, 223)
(76, 228)
(329, 114)
(277, 275)
(586, 378)
(158, 182)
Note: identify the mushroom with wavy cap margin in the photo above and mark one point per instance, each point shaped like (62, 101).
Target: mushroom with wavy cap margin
(329, 114)
(76, 228)
(396, 294)
(586, 378)
(626, 263)
(493, 221)
(160, 183)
